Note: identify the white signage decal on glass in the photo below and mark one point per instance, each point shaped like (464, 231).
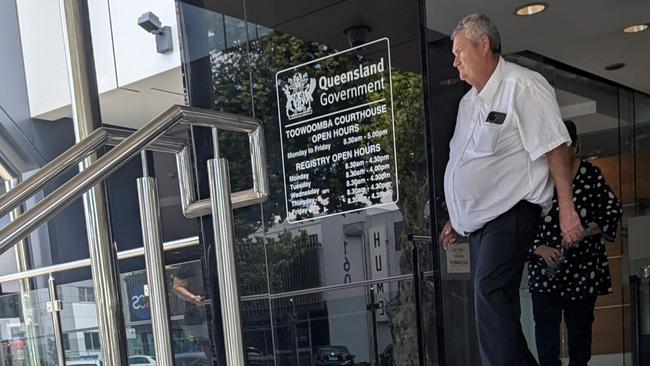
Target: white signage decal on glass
(379, 268)
(458, 258)
(338, 132)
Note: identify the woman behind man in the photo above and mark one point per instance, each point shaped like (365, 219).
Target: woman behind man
(566, 278)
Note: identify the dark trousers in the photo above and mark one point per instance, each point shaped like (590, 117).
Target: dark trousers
(578, 317)
(498, 252)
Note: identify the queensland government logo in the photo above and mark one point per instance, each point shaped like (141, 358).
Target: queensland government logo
(299, 91)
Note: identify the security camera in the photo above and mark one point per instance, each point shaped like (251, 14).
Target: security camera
(151, 23)
(358, 35)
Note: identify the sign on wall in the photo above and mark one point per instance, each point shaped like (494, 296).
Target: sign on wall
(139, 304)
(338, 132)
(379, 267)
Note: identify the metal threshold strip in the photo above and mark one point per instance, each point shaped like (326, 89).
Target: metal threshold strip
(342, 286)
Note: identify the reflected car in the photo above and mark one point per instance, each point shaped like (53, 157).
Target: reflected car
(256, 357)
(333, 355)
(89, 362)
(191, 359)
(144, 360)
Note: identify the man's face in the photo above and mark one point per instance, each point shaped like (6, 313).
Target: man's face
(468, 57)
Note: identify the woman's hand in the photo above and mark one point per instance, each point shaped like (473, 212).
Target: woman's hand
(550, 255)
(595, 229)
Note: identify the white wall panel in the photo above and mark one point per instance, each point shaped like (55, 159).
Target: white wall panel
(43, 55)
(41, 33)
(125, 56)
(100, 28)
(135, 49)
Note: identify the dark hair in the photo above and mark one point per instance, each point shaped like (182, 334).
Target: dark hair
(573, 131)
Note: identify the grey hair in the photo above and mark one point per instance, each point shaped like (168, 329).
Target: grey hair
(476, 25)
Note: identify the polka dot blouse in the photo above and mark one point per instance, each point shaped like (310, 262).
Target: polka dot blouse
(586, 271)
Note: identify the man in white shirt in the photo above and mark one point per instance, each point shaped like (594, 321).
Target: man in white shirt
(509, 149)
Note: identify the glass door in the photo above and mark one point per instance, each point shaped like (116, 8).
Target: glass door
(337, 86)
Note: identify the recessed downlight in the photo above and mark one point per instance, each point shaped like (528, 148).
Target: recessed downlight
(616, 66)
(530, 9)
(636, 28)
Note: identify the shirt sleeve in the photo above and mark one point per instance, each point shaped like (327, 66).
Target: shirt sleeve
(187, 271)
(539, 120)
(608, 208)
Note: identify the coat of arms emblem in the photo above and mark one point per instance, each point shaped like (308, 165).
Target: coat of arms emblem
(299, 90)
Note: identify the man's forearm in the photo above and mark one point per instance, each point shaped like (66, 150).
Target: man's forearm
(558, 161)
(184, 293)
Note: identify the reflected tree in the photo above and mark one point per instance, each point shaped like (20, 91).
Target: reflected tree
(414, 195)
(258, 63)
(290, 256)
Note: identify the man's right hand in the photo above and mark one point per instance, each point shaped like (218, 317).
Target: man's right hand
(550, 255)
(448, 235)
(197, 300)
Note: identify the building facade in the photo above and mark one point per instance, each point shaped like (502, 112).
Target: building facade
(357, 102)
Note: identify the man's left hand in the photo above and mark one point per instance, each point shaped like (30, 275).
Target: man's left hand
(572, 230)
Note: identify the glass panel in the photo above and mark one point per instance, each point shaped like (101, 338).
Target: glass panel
(189, 314)
(216, 66)
(137, 314)
(639, 255)
(258, 333)
(344, 239)
(26, 331)
(230, 64)
(446, 90)
(430, 313)
(79, 319)
(398, 348)
(627, 195)
(594, 108)
(346, 327)
(638, 220)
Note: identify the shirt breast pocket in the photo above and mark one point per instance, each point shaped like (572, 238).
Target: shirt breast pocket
(487, 138)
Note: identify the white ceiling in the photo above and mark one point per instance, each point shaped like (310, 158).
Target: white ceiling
(585, 41)
(584, 34)
(138, 103)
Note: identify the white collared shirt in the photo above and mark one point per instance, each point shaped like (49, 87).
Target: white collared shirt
(492, 167)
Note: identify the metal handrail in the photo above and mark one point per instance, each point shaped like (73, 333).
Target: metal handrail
(81, 263)
(326, 288)
(111, 136)
(118, 156)
(33, 184)
(94, 171)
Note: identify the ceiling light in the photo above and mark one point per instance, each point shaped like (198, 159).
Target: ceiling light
(357, 35)
(635, 28)
(530, 9)
(616, 66)
(4, 173)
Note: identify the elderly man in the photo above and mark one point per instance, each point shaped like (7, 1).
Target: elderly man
(508, 149)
